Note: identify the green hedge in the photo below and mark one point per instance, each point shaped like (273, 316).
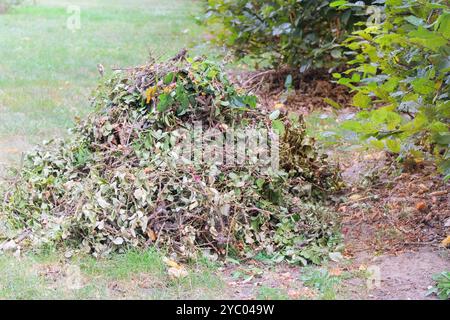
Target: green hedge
(300, 34)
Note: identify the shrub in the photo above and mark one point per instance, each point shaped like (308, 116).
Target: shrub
(300, 34)
(400, 73)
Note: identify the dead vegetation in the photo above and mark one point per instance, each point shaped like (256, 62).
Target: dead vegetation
(118, 181)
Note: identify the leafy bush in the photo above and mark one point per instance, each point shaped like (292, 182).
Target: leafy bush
(400, 73)
(300, 34)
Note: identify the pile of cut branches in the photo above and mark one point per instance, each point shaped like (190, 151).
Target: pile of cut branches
(119, 179)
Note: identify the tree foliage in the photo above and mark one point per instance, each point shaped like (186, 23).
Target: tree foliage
(400, 73)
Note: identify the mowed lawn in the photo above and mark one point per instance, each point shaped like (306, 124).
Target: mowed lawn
(47, 71)
(133, 275)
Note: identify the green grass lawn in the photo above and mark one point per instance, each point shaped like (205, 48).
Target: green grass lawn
(133, 275)
(47, 72)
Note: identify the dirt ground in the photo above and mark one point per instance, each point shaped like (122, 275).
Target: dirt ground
(406, 276)
(397, 229)
(392, 244)
(394, 219)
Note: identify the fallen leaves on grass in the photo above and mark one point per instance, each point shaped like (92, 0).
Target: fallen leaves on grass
(175, 270)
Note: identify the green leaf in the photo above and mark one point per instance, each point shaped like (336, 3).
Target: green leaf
(444, 25)
(423, 86)
(394, 3)
(352, 125)
(278, 127)
(336, 75)
(442, 138)
(361, 100)
(251, 101)
(444, 167)
(387, 117)
(427, 38)
(338, 3)
(393, 145)
(182, 97)
(169, 78)
(356, 77)
(415, 20)
(260, 182)
(377, 144)
(439, 127)
(165, 101)
(336, 53)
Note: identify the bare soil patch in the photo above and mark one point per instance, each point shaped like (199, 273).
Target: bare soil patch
(408, 276)
(396, 213)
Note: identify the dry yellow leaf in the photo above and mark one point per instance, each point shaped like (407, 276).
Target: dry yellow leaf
(175, 270)
(172, 264)
(150, 93)
(446, 242)
(278, 106)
